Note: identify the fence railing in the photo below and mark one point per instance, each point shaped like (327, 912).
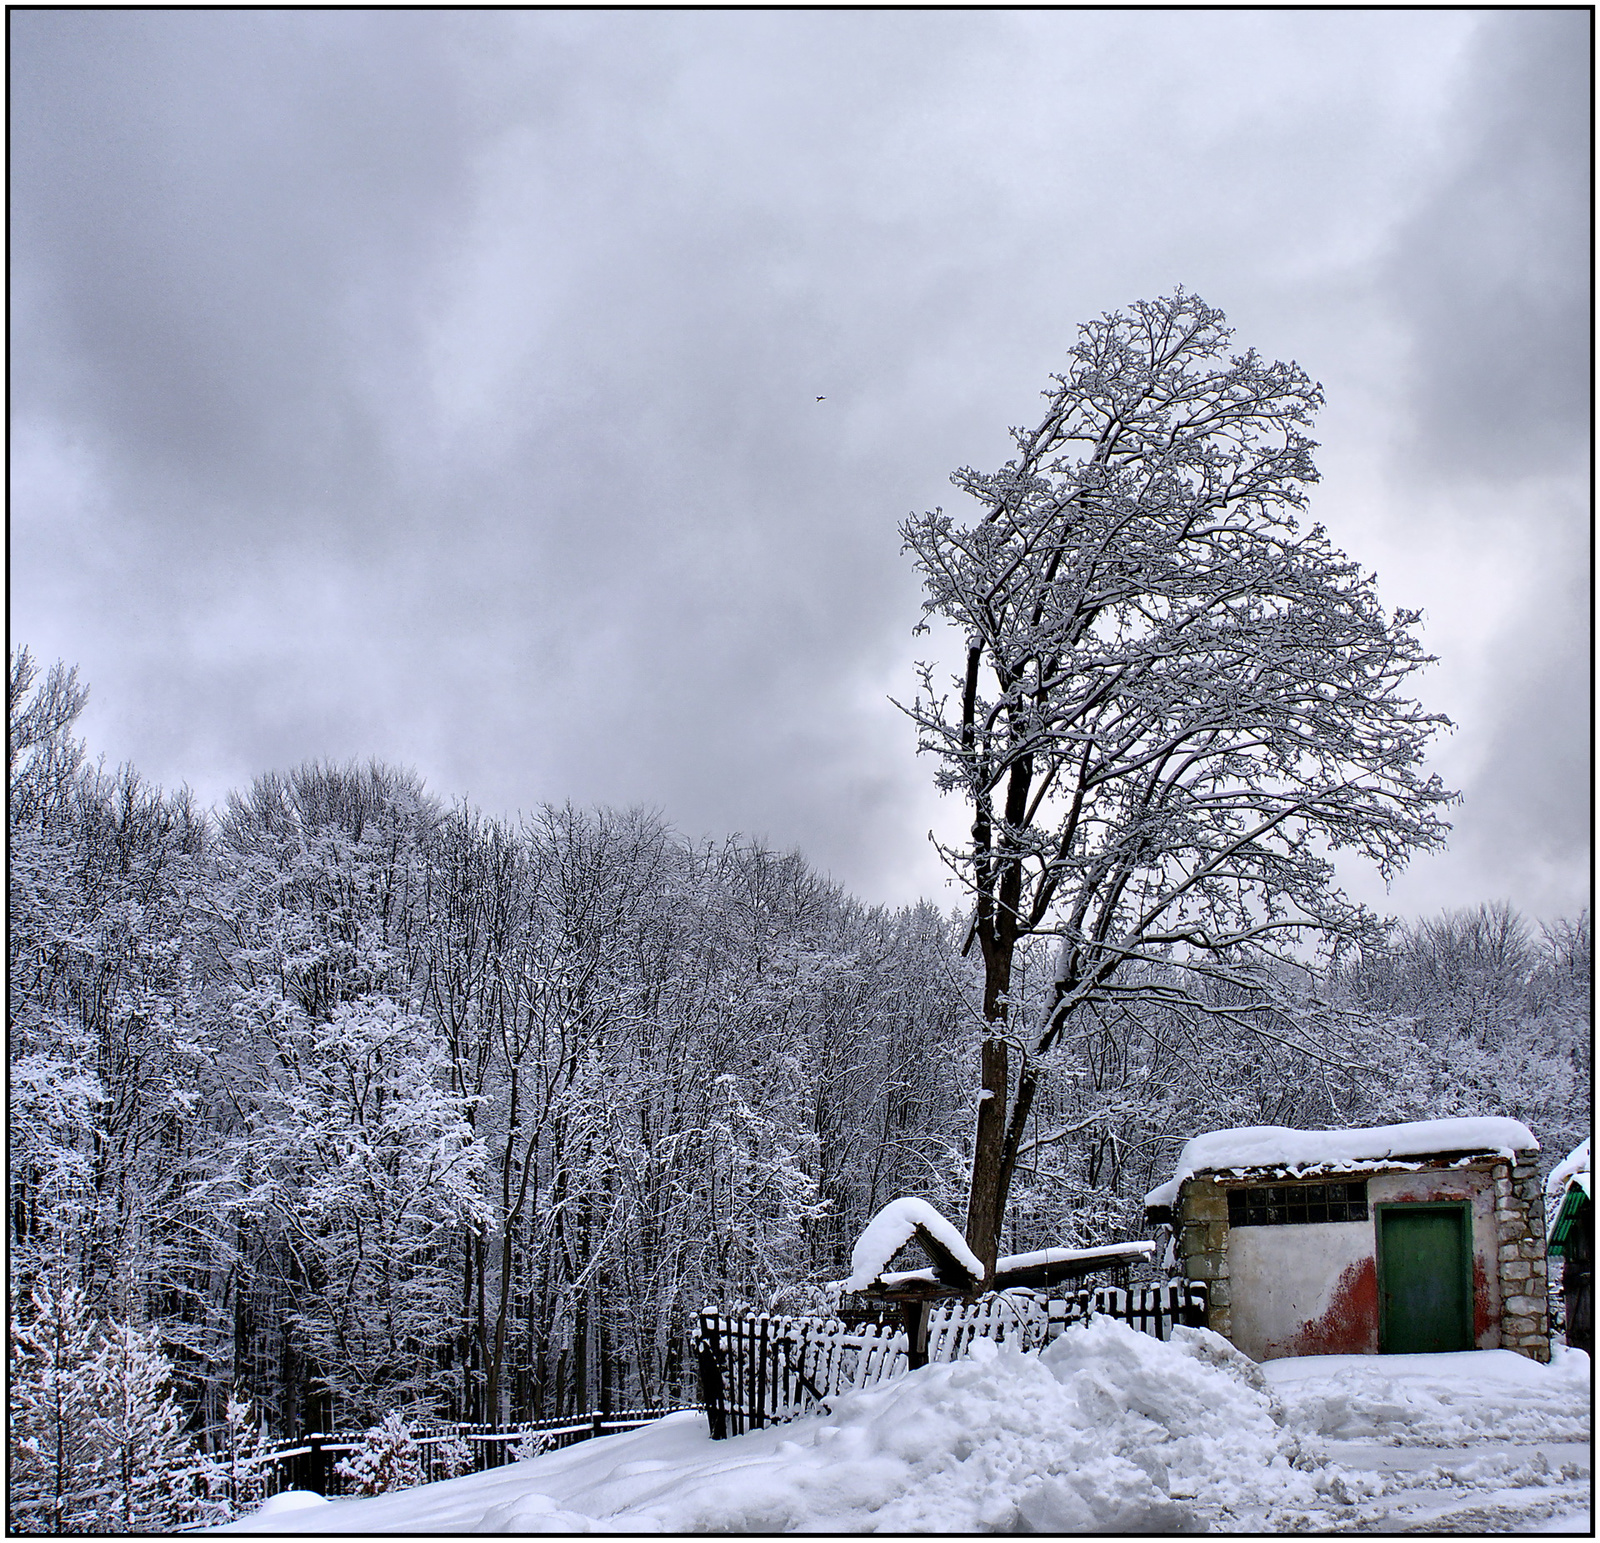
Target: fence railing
(761, 1369)
(308, 1462)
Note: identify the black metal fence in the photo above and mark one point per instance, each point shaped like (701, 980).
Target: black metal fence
(761, 1369)
(308, 1462)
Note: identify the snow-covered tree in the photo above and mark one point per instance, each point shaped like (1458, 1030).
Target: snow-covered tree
(365, 1164)
(108, 1053)
(1469, 1013)
(139, 1432)
(387, 1459)
(98, 1438)
(56, 1472)
(1175, 701)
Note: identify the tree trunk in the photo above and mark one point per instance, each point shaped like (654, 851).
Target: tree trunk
(986, 1199)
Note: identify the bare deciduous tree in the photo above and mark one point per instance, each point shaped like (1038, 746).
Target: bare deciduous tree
(1176, 702)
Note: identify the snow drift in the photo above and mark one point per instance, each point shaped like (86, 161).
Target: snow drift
(1108, 1430)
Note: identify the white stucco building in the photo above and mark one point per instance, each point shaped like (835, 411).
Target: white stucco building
(1418, 1237)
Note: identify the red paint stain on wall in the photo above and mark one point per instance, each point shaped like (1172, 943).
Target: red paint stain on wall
(1349, 1326)
(1482, 1319)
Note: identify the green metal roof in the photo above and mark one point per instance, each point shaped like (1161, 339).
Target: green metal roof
(1571, 1203)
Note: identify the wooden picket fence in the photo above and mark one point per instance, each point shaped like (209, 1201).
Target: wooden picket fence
(761, 1369)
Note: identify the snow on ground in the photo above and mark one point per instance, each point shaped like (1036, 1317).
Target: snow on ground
(1107, 1430)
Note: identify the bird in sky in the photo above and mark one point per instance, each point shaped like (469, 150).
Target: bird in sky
(822, 399)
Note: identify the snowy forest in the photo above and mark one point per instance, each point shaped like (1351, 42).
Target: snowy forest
(342, 1100)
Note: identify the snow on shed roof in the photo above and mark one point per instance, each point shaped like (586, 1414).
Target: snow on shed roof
(1044, 1257)
(1277, 1146)
(893, 1227)
(1041, 1259)
(1574, 1166)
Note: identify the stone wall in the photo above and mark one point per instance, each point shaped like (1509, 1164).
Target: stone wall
(1202, 1222)
(1519, 1219)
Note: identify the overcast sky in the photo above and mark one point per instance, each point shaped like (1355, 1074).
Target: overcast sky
(441, 387)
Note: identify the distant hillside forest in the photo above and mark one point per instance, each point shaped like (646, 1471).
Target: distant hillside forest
(361, 1101)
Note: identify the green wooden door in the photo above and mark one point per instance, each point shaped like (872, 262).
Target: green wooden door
(1424, 1278)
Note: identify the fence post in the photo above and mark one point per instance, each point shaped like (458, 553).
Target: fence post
(916, 1317)
(711, 1393)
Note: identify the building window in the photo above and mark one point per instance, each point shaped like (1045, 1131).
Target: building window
(1288, 1205)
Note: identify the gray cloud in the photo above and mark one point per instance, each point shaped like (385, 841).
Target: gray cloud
(1489, 277)
(442, 385)
(1491, 271)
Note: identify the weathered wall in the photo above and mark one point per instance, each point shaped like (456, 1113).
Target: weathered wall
(1306, 1290)
(1313, 1290)
(1475, 1185)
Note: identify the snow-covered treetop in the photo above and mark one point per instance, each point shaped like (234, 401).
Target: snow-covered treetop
(893, 1227)
(1277, 1146)
(1573, 1167)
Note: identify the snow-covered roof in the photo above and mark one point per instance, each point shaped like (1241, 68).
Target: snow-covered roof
(1277, 1146)
(892, 1228)
(1566, 1191)
(1574, 1167)
(1042, 1257)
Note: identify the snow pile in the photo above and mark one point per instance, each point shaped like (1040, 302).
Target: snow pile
(892, 1228)
(289, 1500)
(1278, 1146)
(1108, 1430)
(1437, 1400)
(1575, 1166)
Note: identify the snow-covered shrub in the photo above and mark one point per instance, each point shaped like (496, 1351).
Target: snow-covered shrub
(532, 1443)
(451, 1458)
(387, 1459)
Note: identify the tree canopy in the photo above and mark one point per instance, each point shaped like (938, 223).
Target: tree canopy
(1176, 704)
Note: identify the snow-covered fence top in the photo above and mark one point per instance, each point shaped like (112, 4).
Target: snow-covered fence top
(1277, 1146)
(308, 1462)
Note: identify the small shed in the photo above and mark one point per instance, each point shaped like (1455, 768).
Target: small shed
(1396, 1238)
(1570, 1191)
